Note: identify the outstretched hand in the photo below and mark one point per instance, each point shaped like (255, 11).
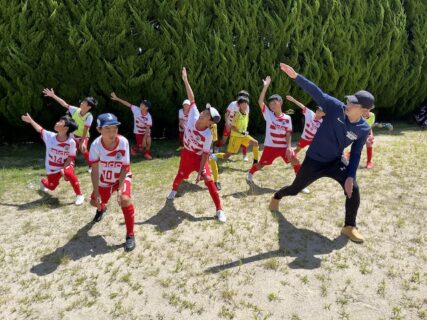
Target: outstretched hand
(290, 98)
(288, 70)
(184, 74)
(48, 92)
(266, 82)
(26, 118)
(113, 96)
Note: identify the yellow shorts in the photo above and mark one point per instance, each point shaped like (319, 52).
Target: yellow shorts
(235, 143)
(214, 132)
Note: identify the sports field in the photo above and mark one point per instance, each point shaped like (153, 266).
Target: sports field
(56, 264)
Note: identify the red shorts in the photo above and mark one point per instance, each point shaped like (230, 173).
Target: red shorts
(105, 192)
(226, 132)
(139, 137)
(52, 180)
(269, 154)
(302, 143)
(190, 162)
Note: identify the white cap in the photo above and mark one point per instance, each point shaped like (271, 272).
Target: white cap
(186, 101)
(214, 113)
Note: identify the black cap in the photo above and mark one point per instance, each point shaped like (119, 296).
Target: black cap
(362, 97)
(241, 99)
(243, 93)
(275, 97)
(91, 101)
(147, 103)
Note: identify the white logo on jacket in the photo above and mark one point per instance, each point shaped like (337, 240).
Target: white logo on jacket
(351, 135)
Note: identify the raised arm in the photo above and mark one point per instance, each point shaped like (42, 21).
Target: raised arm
(190, 93)
(295, 101)
(114, 97)
(50, 93)
(27, 118)
(266, 83)
(321, 98)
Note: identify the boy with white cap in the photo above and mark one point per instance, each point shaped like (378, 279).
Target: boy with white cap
(197, 144)
(183, 118)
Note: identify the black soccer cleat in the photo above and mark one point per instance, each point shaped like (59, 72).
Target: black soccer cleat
(99, 215)
(218, 185)
(130, 243)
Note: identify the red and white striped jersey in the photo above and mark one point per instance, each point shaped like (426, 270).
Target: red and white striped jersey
(232, 108)
(140, 122)
(276, 128)
(311, 124)
(184, 117)
(195, 140)
(57, 152)
(110, 161)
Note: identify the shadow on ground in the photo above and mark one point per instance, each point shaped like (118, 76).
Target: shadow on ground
(46, 200)
(303, 244)
(80, 246)
(254, 189)
(169, 218)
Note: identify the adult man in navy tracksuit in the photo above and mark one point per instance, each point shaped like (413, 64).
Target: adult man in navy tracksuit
(343, 125)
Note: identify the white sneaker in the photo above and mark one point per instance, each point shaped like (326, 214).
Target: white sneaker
(250, 178)
(79, 200)
(245, 158)
(305, 190)
(89, 170)
(171, 195)
(221, 216)
(43, 188)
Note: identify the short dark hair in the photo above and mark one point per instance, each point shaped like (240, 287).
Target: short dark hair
(91, 101)
(146, 103)
(70, 123)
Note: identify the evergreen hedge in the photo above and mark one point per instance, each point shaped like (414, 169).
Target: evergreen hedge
(84, 47)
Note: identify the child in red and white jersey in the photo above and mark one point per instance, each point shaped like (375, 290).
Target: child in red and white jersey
(278, 133)
(110, 160)
(142, 123)
(60, 155)
(313, 120)
(230, 112)
(183, 118)
(82, 116)
(197, 144)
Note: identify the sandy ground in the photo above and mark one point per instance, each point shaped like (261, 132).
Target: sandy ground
(56, 264)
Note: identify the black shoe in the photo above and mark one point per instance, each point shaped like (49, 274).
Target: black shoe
(255, 161)
(130, 243)
(218, 185)
(99, 215)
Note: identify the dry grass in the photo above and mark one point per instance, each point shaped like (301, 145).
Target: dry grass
(294, 265)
